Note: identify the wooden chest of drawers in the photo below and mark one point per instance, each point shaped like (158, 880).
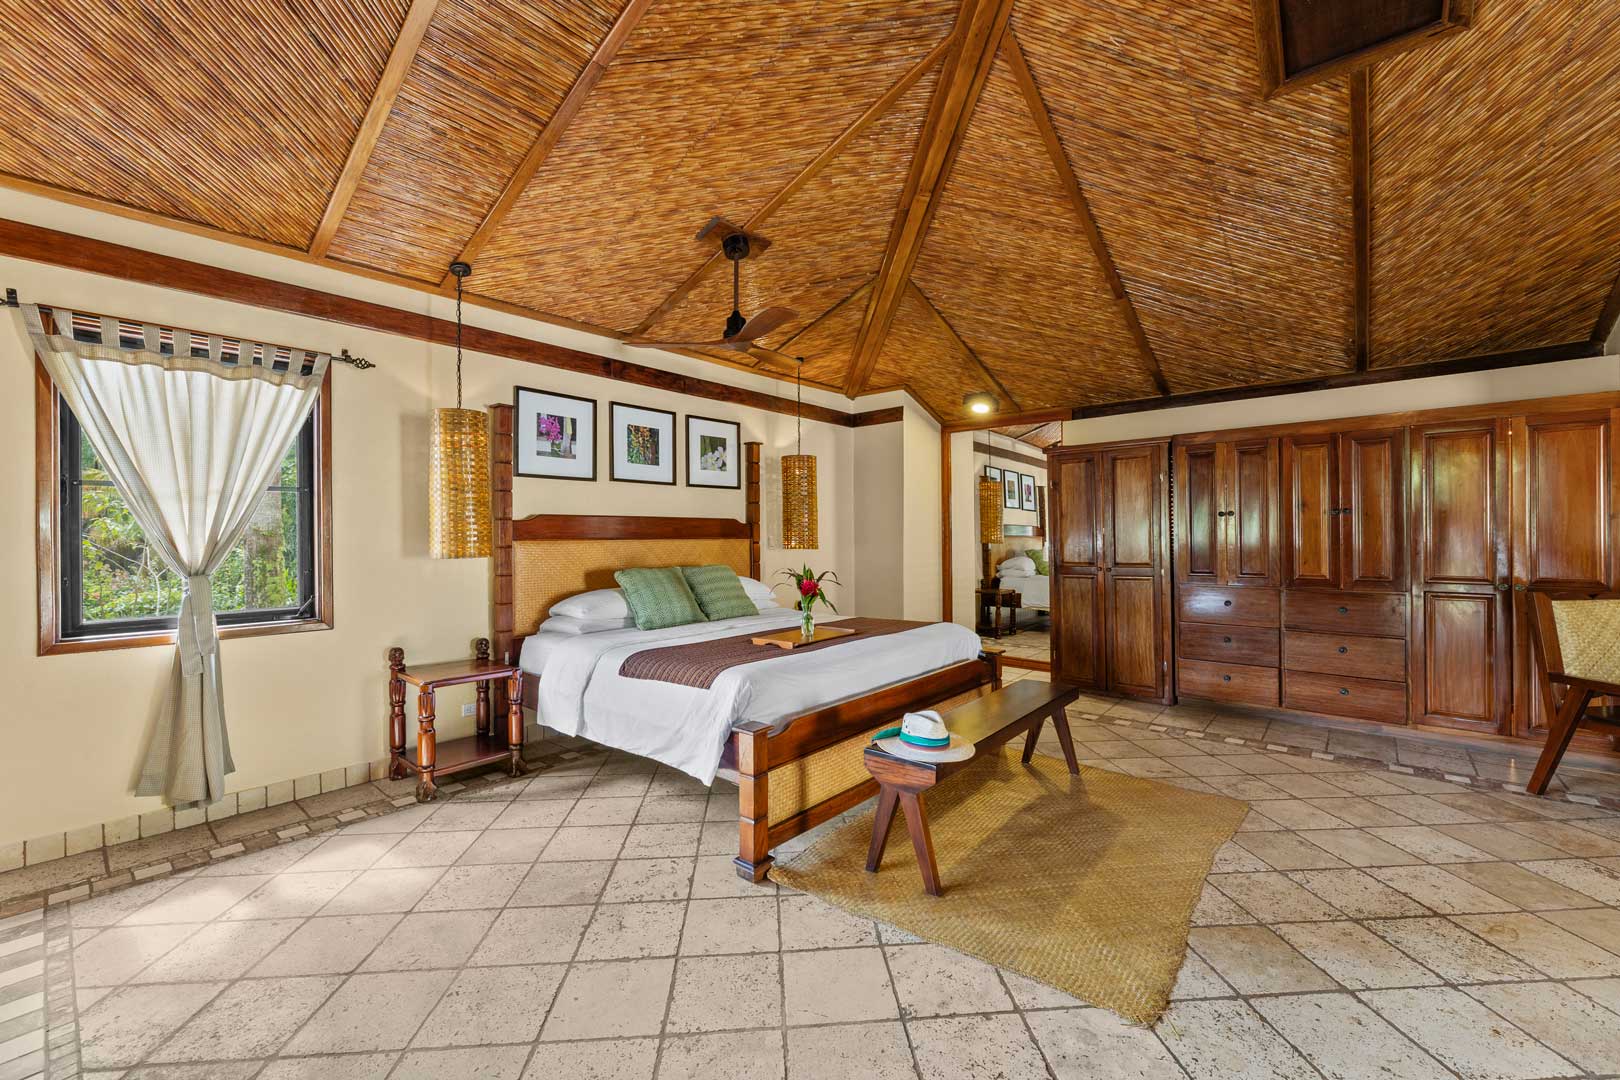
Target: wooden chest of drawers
(1228, 644)
(1344, 654)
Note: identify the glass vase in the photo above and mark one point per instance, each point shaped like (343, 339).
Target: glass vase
(807, 625)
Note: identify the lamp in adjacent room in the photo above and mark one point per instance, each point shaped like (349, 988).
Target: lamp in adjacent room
(458, 469)
(800, 520)
(980, 404)
(990, 522)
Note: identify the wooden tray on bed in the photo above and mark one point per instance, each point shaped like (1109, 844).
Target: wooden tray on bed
(792, 639)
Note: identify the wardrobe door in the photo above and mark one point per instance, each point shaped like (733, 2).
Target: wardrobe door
(1199, 514)
(1563, 530)
(1077, 600)
(1460, 666)
(1135, 599)
(1252, 541)
(1372, 508)
(1311, 511)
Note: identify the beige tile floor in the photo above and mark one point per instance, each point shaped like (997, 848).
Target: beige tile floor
(1033, 641)
(587, 924)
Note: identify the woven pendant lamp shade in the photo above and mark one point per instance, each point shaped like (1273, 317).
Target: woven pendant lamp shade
(800, 520)
(990, 519)
(458, 485)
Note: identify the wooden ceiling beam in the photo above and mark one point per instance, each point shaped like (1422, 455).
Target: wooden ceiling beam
(805, 175)
(791, 338)
(976, 36)
(400, 59)
(1361, 210)
(971, 356)
(552, 133)
(1082, 209)
(1608, 317)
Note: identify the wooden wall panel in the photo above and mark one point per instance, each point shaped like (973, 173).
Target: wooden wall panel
(1496, 201)
(1006, 228)
(237, 114)
(709, 109)
(487, 78)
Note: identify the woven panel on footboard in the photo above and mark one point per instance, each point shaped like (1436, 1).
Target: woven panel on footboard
(547, 571)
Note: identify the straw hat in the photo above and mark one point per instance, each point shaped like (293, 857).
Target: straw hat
(923, 736)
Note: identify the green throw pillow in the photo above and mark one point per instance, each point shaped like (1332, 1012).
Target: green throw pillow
(659, 597)
(1040, 561)
(718, 592)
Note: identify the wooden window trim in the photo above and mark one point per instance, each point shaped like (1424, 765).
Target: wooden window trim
(47, 441)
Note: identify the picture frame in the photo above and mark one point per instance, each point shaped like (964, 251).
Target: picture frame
(1027, 490)
(992, 473)
(553, 435)
(642, 444)
(1009, 490)
(713, 452)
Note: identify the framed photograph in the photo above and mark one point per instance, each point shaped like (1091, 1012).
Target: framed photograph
(713, 453)
(1009, 490)
(554, 435)
(992, 473)
(1027, 487)
(641, 444)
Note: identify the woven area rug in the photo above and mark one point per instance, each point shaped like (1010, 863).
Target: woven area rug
(1085, 883)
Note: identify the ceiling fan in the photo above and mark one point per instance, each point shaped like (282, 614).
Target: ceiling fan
(741, 335)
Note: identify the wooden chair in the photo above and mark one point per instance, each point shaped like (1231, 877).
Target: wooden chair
(1578, 644)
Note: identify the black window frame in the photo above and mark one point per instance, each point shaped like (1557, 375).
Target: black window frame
(71, 625)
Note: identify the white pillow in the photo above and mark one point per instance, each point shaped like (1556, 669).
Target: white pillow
(1017, 566)
(596, 604)
(567, 624)
(768, 605)
(756, 590)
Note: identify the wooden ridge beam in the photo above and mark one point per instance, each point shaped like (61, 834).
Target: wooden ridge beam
(1082, 208)
(1361, 210)
(36, 243)
(552, 133)
(1035, 416)
(971, 356)
(976, 36)
(804, 176)
(400, 59)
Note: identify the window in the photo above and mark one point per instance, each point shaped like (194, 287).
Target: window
(112, 588)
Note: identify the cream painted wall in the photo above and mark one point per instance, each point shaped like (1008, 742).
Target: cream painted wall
(304, 703)
(921, 550)
(879, 507)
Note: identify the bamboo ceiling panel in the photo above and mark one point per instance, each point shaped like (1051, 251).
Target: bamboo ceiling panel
(487, 78)
(1496, 196)
(1228, 216)
(920, 354)
(711, 108)
(240, 120)
(826, 240)
(1006, 263)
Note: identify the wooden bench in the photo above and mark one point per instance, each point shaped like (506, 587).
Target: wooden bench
(987, 723)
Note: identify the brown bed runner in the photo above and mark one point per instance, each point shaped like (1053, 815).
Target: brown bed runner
(699, 663)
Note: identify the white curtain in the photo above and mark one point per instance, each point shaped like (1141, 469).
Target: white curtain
(191, 442)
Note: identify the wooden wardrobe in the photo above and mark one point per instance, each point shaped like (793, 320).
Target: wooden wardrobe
(1376, 568)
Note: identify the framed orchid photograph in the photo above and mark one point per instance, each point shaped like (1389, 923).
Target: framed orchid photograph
(554, 435)
(713, 453)
(643, 442)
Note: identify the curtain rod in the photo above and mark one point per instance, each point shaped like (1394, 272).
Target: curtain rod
(359, 363)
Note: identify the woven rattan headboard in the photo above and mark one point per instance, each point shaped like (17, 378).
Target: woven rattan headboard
(540, 560)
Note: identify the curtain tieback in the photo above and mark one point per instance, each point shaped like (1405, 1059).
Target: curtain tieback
(196, 636)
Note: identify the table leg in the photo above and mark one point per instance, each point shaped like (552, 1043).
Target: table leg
(888, 799)
(396, 714)
(514, 722)
(1060, 721)
(426, 756)
(1033, 737)
(921, 841)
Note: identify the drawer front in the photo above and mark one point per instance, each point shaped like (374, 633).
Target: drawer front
(1227, 682)
(1376, 614)
(1213, 604)
(1345, 654)
(1340, 695)
(1227, 644)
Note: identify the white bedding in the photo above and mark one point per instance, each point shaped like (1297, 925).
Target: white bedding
(1036, 592)
(582, 692)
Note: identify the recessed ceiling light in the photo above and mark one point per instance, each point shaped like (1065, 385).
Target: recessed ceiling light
(980, 403)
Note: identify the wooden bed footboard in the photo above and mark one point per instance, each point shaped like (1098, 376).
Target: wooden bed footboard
(817, 757)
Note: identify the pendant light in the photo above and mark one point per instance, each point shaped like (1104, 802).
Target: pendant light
(458, 481)
(990, 521)
(800, 521)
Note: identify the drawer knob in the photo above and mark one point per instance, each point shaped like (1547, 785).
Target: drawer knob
(1344, 649)
(1344, 611)
(1345, 691)
(1226, 678)
(1226, 641)
(1226, 603)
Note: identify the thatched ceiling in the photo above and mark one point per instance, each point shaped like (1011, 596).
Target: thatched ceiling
(1064, 202)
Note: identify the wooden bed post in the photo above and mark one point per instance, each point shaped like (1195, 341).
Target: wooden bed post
(991, 654)
(753, 515)
(500, 510)
(753, 802)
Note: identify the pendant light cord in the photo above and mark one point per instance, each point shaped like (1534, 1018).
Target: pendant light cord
(458, 340)
(798, 408)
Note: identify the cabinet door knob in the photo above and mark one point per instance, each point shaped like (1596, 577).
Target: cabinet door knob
(1344, 611)
(1344, 648)
(1345, 691)
(1501, 586)
(1519, 588)
(1226, 603)
(1226, 641)
(1226, 678)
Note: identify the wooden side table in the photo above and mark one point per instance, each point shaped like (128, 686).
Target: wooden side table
(991, 601)
(457, 755)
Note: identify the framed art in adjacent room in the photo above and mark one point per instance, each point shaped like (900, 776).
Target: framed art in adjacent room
(713, 453)
(1027, 487)
(554, 435)
(992, 473)
(641, 444)
(1009, 490)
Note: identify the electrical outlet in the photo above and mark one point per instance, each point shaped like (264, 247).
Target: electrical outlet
(469, 709)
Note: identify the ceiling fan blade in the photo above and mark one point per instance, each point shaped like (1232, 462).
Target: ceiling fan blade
(778, 361)
(763, 323)
(649, 343)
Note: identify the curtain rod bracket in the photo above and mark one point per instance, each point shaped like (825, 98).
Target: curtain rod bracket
(11, 298)
(359, 363)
